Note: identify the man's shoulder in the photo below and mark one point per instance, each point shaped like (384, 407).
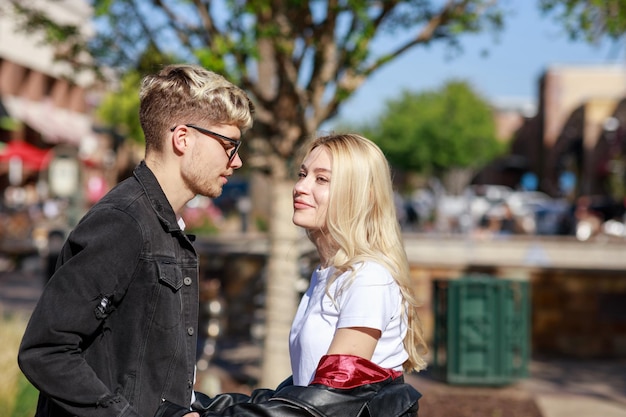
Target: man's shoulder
(125, 199)
(123, 193)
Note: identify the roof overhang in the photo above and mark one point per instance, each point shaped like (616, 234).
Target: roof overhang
(56, 125)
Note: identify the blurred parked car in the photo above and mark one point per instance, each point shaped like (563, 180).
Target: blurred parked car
(554, 217)
(538, 213)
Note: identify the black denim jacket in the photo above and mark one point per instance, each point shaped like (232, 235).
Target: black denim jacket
(114, 331)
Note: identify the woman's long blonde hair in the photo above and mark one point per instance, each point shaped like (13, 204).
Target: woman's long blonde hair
(363, 226)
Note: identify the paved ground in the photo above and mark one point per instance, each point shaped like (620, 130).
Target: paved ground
(565, 388)
(555, 388)
(558, 388)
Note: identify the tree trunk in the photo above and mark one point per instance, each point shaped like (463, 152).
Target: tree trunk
(282, 273)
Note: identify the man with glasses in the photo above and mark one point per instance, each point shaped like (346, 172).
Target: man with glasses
(114, 331)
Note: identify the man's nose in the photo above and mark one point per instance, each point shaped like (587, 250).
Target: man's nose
(236, 163)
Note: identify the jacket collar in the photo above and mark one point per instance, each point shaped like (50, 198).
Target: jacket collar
(156, 196)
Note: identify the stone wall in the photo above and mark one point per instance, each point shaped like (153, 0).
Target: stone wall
(574, 313)
(579, 313)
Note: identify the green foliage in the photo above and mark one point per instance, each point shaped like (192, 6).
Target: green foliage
(18, 398)
(590, 20)
(120, 109)
(434, 131)
(262, 224)
(26, 399)
(8, 123)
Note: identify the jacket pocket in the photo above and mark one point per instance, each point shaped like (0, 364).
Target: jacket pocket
(170, 274)
(168, 303)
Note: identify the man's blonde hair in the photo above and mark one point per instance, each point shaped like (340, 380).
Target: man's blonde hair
(184, 93)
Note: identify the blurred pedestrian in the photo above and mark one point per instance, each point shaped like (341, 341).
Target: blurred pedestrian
(115, 329)
(506, 222)
(588, 220)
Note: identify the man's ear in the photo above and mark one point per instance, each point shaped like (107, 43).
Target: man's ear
(180, 139)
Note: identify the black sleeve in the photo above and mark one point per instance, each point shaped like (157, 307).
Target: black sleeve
(96, 265)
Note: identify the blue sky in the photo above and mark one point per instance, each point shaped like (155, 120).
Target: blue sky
(528, 45)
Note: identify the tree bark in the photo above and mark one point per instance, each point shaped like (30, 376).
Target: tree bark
(282, 273)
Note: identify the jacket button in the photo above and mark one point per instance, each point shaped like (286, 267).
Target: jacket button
(190, 331)
(187, 281)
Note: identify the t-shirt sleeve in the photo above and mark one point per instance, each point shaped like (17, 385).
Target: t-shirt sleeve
(370, 300)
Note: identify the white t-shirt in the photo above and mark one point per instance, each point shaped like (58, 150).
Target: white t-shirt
(372, 300)
(182, 225)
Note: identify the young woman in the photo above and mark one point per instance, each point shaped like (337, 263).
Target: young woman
(356, 329)
(359, 311)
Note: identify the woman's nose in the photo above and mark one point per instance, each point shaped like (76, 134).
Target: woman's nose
(300, 186)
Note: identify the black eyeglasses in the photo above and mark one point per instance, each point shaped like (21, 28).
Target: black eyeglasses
(236, 143)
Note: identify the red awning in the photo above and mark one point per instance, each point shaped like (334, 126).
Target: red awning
(32, 157)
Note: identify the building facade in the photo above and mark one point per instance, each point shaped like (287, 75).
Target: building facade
(52, 162)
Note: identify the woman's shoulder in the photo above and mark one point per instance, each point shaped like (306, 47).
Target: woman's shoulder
(373, 272)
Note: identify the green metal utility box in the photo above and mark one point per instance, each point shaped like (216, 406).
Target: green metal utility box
(482, 330)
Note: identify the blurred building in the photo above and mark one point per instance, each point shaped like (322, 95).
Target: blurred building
(52, 162)
(35, 90)
(574, 144)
